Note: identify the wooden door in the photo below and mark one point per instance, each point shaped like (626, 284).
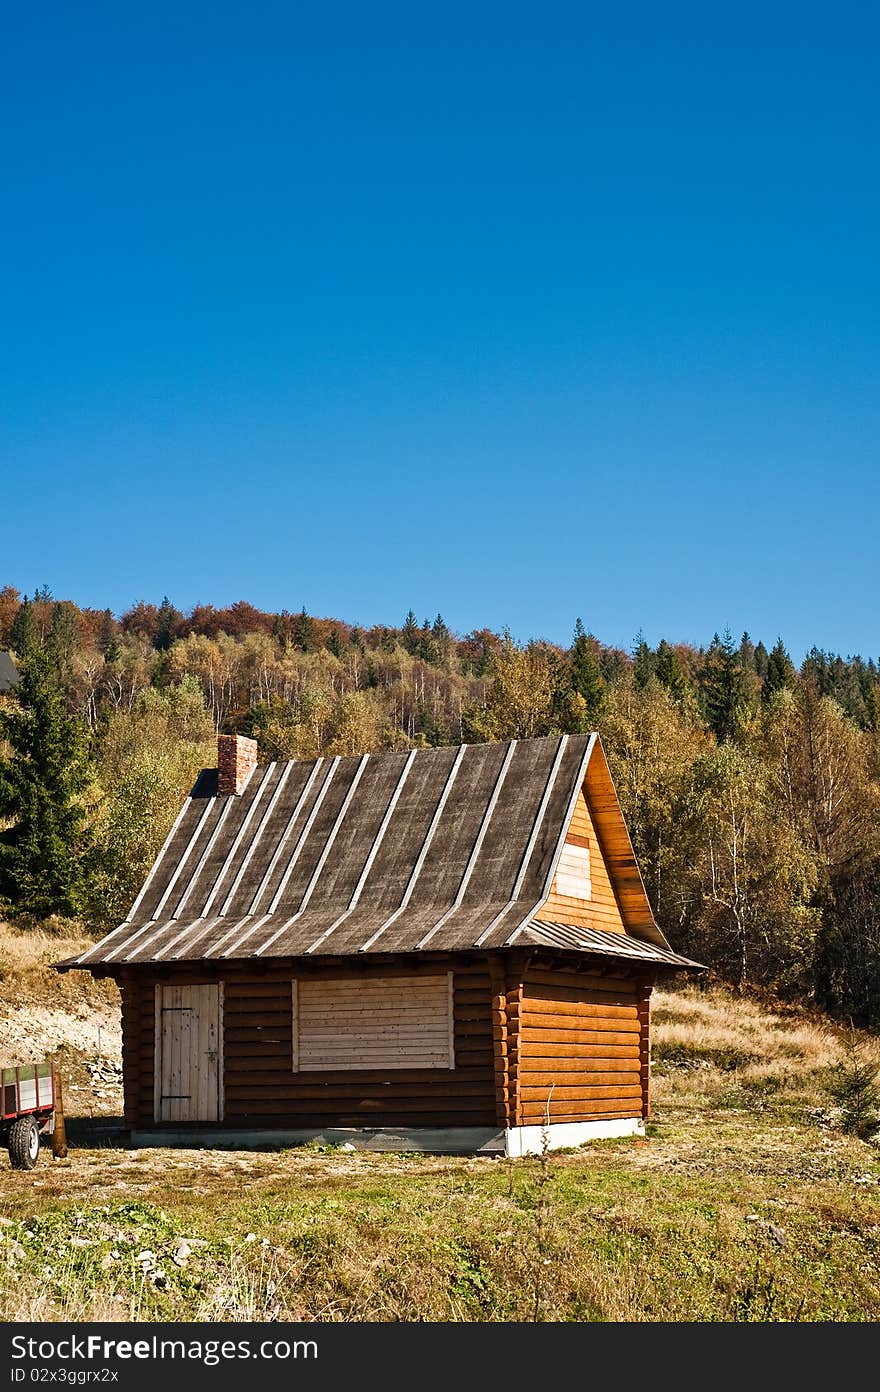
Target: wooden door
(188, 1053)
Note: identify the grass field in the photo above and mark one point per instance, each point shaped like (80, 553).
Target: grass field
(747, 1201)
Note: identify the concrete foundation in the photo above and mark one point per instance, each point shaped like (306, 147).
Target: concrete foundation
(448, 1140)
(560, 1135)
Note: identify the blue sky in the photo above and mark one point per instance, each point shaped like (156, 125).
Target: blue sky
(514, 312)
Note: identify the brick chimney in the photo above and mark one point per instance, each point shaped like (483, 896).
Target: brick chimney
(236, 761)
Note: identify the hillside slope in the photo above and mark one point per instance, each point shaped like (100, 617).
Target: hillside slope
(70, 1018)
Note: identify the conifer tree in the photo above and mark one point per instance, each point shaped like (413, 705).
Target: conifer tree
(724, 687)
(43, 849)
(107, 636)
(409, 634)
(669, 670)
(746, 653)
(303, 634)
(761, 659)
(62, 638)
(780, 670)
(23, 637)
(442, 640)
(167, 623)
(643, 661)
(586, 673)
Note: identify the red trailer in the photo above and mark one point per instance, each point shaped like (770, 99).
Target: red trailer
(27, 1099)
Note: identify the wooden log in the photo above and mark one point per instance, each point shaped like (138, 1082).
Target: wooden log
(551, 977)
(534, 1112)
(588, 1078)
(585, 1093)
(536, 1053)
(538, 996)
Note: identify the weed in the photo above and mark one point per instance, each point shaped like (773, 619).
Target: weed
(855, 1087)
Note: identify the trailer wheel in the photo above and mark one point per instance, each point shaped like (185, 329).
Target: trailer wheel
(24, 1143)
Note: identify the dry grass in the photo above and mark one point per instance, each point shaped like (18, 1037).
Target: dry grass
(706, 1042)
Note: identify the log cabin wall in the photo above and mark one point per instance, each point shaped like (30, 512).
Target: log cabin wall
(260, 1087)
(583, 1044)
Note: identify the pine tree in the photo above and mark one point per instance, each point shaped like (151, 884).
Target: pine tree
(23, 638)
(303, 633)
(643, 661)
(586, 673)
(167, 624)
(62, 638)
(43, 850)
(334, 643)
(108, 642)
(409, 634)
(762, 657)
(724, 687)
(442, 640)
(669, 670)
(746, 653)
(780, 670)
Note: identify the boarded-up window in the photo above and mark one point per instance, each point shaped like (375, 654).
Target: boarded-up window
(373, 1023)
(573, 873)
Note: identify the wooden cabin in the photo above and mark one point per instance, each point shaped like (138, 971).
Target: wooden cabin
(447, 948)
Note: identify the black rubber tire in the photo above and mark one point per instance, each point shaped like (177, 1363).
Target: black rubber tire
(24, 1143)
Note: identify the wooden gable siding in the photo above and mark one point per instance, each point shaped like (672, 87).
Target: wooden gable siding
(583, 1046)
(601, 910)
(260, 1087)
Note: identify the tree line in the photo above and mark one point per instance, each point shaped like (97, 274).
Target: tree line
(751, 784)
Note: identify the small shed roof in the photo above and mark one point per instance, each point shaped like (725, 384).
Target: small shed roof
(430, 850)
(9, 676)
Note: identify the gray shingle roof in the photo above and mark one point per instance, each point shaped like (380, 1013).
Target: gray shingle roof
(435, 849)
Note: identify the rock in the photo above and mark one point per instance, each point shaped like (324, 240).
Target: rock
(107, 1261)
(146, 1259)
(81, 1242)
(182, 1253)
(777, 1235)
(347, 1147)
(250, 1237)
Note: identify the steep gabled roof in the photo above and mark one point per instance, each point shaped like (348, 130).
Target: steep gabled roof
(435, 849)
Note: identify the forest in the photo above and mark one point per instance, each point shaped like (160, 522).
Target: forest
(751, 784)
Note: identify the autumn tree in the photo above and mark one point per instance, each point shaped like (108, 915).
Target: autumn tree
(149, 758)
(753, 877)
(653, 745)
(520, 695)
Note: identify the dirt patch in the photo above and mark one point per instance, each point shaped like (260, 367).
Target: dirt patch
(69, 1018)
